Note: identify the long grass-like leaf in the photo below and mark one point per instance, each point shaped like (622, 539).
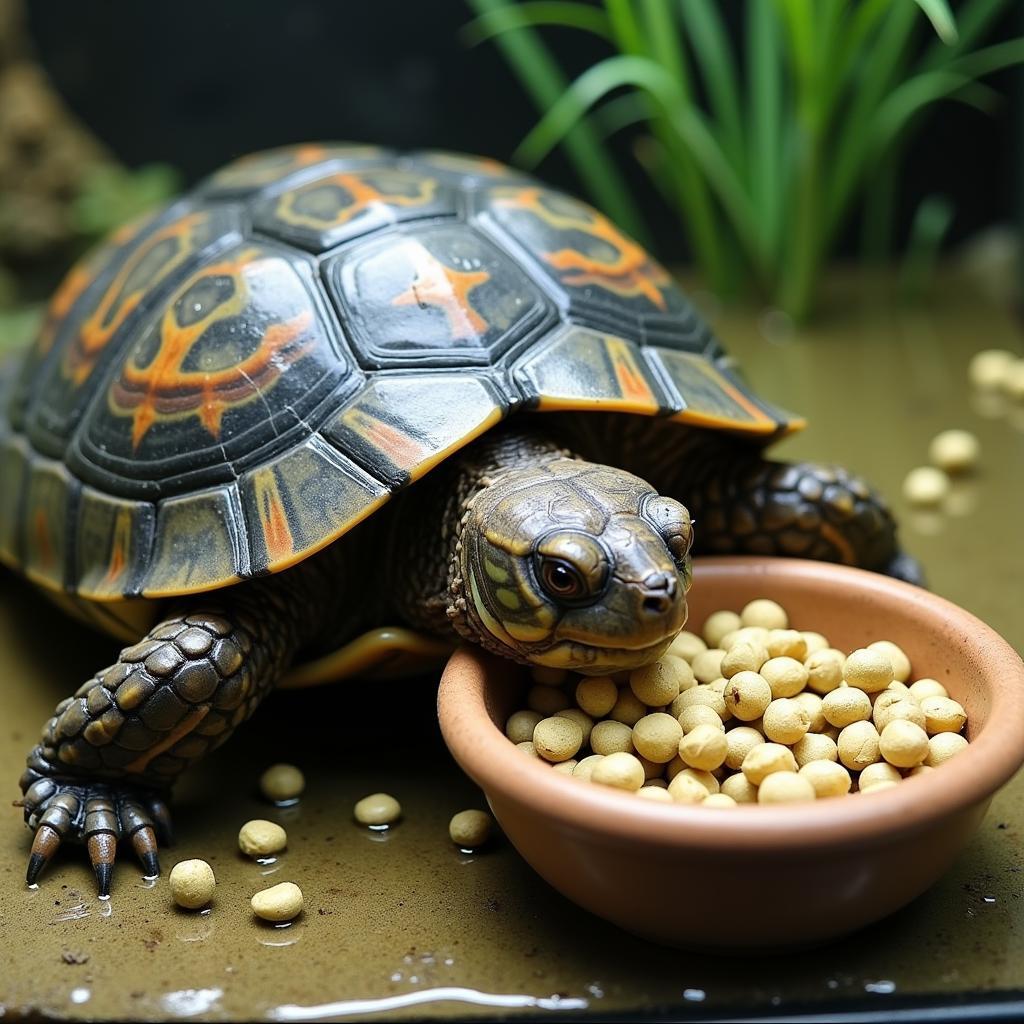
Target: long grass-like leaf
(533, 13)
(941, 17)
(543, 80)
(625, 26)
(713, 53)
(766, 125)
(640, 72)
(974, 18)
(932, 220)
(622, 112)
(988, 60)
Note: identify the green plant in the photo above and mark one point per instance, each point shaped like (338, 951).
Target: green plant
(763, 153)
(112, 195)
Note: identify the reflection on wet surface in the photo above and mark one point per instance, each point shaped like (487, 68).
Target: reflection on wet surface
(402, 923)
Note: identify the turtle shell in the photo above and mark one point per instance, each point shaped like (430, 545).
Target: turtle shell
(226, 387)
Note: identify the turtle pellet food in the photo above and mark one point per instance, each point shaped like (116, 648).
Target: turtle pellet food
(749, 711)
(192, 883)
(281, 902)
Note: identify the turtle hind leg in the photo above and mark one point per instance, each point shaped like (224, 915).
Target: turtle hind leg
(103, 768)
(743, 503)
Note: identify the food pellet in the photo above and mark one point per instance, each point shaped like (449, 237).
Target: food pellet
(703, 695)
(767, 759)
(927, 688)
(785, 721)
(519, 727)
(786, 643)
(656, 737)
(717, 625)
(470, 829)
(743, 657)
(609, 737)
(829, 778)
(880, 771)
(897, 656)
(628, 710)
(786, 676)
(707, 666)
(620, 771)
(942, 746)
(812, 704)
(869, 670)
(955, 451)
(988, 368)
(858, 745)
(765, 613)
(596, 695)
(699, 714)
(785, 788)
(925, 485)
(756, 711)
(718, 800)
(282, 783)
(685, 789)
(585, 767)
(704, 747)
(739, 742)
(581, 718)
(687, 646)
(903, 743)
(557, 739)
(656, 793)
(815, 747)
(658, 684)
(192, 883)
(260, 838)
(942, 714)
(377, 809)
(846, 705)
(281, 902)
(740, 788)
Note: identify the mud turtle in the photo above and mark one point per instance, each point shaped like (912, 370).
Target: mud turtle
(283, 423)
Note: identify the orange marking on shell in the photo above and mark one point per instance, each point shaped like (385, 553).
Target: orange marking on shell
(119, 548)
(632, 273)
(632, 382)
(735, 394)
(117, 304)
(273, 518)
(401, 448)
(165, 389)
(364, 197)
(446, 289)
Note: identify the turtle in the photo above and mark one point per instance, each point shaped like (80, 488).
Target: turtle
(339, 408)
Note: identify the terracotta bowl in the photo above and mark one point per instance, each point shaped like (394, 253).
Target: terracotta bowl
(757, 877)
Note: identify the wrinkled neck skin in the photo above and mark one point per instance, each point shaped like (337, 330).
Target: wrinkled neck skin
(615, 533)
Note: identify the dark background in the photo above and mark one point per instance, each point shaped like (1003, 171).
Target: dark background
(198, 82)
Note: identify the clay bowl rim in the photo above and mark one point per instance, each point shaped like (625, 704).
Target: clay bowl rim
(992, 758)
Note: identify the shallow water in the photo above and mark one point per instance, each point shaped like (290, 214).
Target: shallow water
(400, 923)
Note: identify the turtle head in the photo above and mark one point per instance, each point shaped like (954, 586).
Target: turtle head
(572, 565)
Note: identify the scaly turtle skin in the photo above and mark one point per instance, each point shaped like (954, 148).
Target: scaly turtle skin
(212, 442)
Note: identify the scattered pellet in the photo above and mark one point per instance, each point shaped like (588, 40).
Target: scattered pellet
(192, 884)
(470, 829)
(281, 902)
(260, 838)
(282, 783)
(377, 809)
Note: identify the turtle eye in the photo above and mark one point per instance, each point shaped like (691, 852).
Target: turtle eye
(560, 579)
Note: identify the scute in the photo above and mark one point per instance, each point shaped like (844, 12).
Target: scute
(225, 372)
(226, 387)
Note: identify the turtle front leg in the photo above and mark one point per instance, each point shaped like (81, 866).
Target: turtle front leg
(104, 766)
(744, 503)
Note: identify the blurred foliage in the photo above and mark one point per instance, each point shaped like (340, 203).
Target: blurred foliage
(762, 150)
(112, 195)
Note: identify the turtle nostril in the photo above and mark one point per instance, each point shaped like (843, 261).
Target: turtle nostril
(659, 593)
(657, 604)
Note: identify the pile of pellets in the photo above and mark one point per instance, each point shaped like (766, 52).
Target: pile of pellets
(750, 712)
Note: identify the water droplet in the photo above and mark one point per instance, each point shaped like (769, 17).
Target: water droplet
(448, 961)
(832, 984)
(104, 898)
(414, 979)
(286, 803)
(80, 995)
(595, 990)
(884, 987)
(266, 860)
(397, 976)
(694, 995)
(34, 886)
(988, 899)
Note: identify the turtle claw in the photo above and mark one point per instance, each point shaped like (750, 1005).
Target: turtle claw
(98, 815)
(45, 844)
